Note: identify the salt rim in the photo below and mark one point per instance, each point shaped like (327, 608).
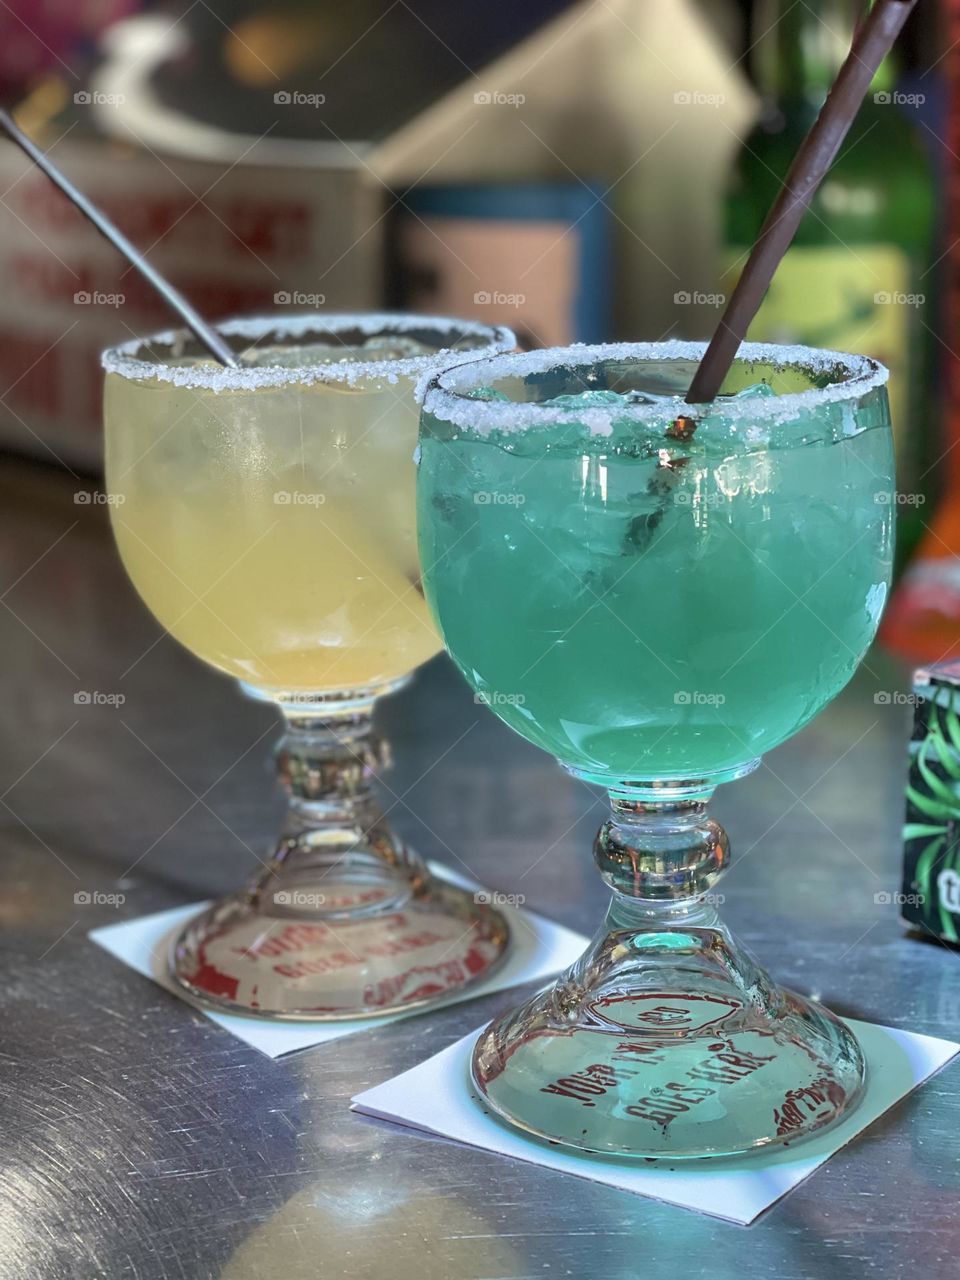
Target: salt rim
(124, 359)
(443, 394)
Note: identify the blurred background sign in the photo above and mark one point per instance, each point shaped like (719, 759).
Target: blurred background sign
(248, 239)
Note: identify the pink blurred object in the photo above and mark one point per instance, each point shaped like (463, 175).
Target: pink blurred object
(59, 36)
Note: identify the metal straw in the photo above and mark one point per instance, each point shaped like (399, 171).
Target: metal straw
(205, 333)
(871, 44)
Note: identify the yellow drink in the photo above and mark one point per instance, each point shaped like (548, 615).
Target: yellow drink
(270, 526)
(265, 514)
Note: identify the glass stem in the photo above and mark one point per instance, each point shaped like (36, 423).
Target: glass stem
(660, 858)
(327, 766)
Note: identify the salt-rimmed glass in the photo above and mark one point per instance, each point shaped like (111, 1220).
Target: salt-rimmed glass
(657, 603)
(266, 516)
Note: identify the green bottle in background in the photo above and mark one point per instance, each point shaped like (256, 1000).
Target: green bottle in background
(855, 278)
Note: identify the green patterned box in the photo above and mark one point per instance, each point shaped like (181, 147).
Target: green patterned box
(930, 896)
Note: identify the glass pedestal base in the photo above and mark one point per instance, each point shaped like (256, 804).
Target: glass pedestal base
(672, 1045)
(338, 937)
(666, 1040)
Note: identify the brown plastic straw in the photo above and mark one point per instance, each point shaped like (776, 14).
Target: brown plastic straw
(872, 42)
(203, 332)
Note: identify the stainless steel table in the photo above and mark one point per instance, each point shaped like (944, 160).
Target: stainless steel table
(140, 1140)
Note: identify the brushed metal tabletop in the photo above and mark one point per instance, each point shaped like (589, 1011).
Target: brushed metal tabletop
(140, 1140)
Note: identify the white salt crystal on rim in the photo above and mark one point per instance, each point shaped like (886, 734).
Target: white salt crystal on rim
(133, 359)
(446, 397)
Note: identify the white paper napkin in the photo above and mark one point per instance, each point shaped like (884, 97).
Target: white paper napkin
(538, 948)
(438, 1097)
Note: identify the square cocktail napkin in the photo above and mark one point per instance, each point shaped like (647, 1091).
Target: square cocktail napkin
(538, 948)
(438, 1097)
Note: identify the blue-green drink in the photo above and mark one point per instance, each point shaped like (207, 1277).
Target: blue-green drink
(657, 593)
(647, 608)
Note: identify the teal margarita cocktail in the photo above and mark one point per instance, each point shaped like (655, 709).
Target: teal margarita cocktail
(657, 594)
(644, 607)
